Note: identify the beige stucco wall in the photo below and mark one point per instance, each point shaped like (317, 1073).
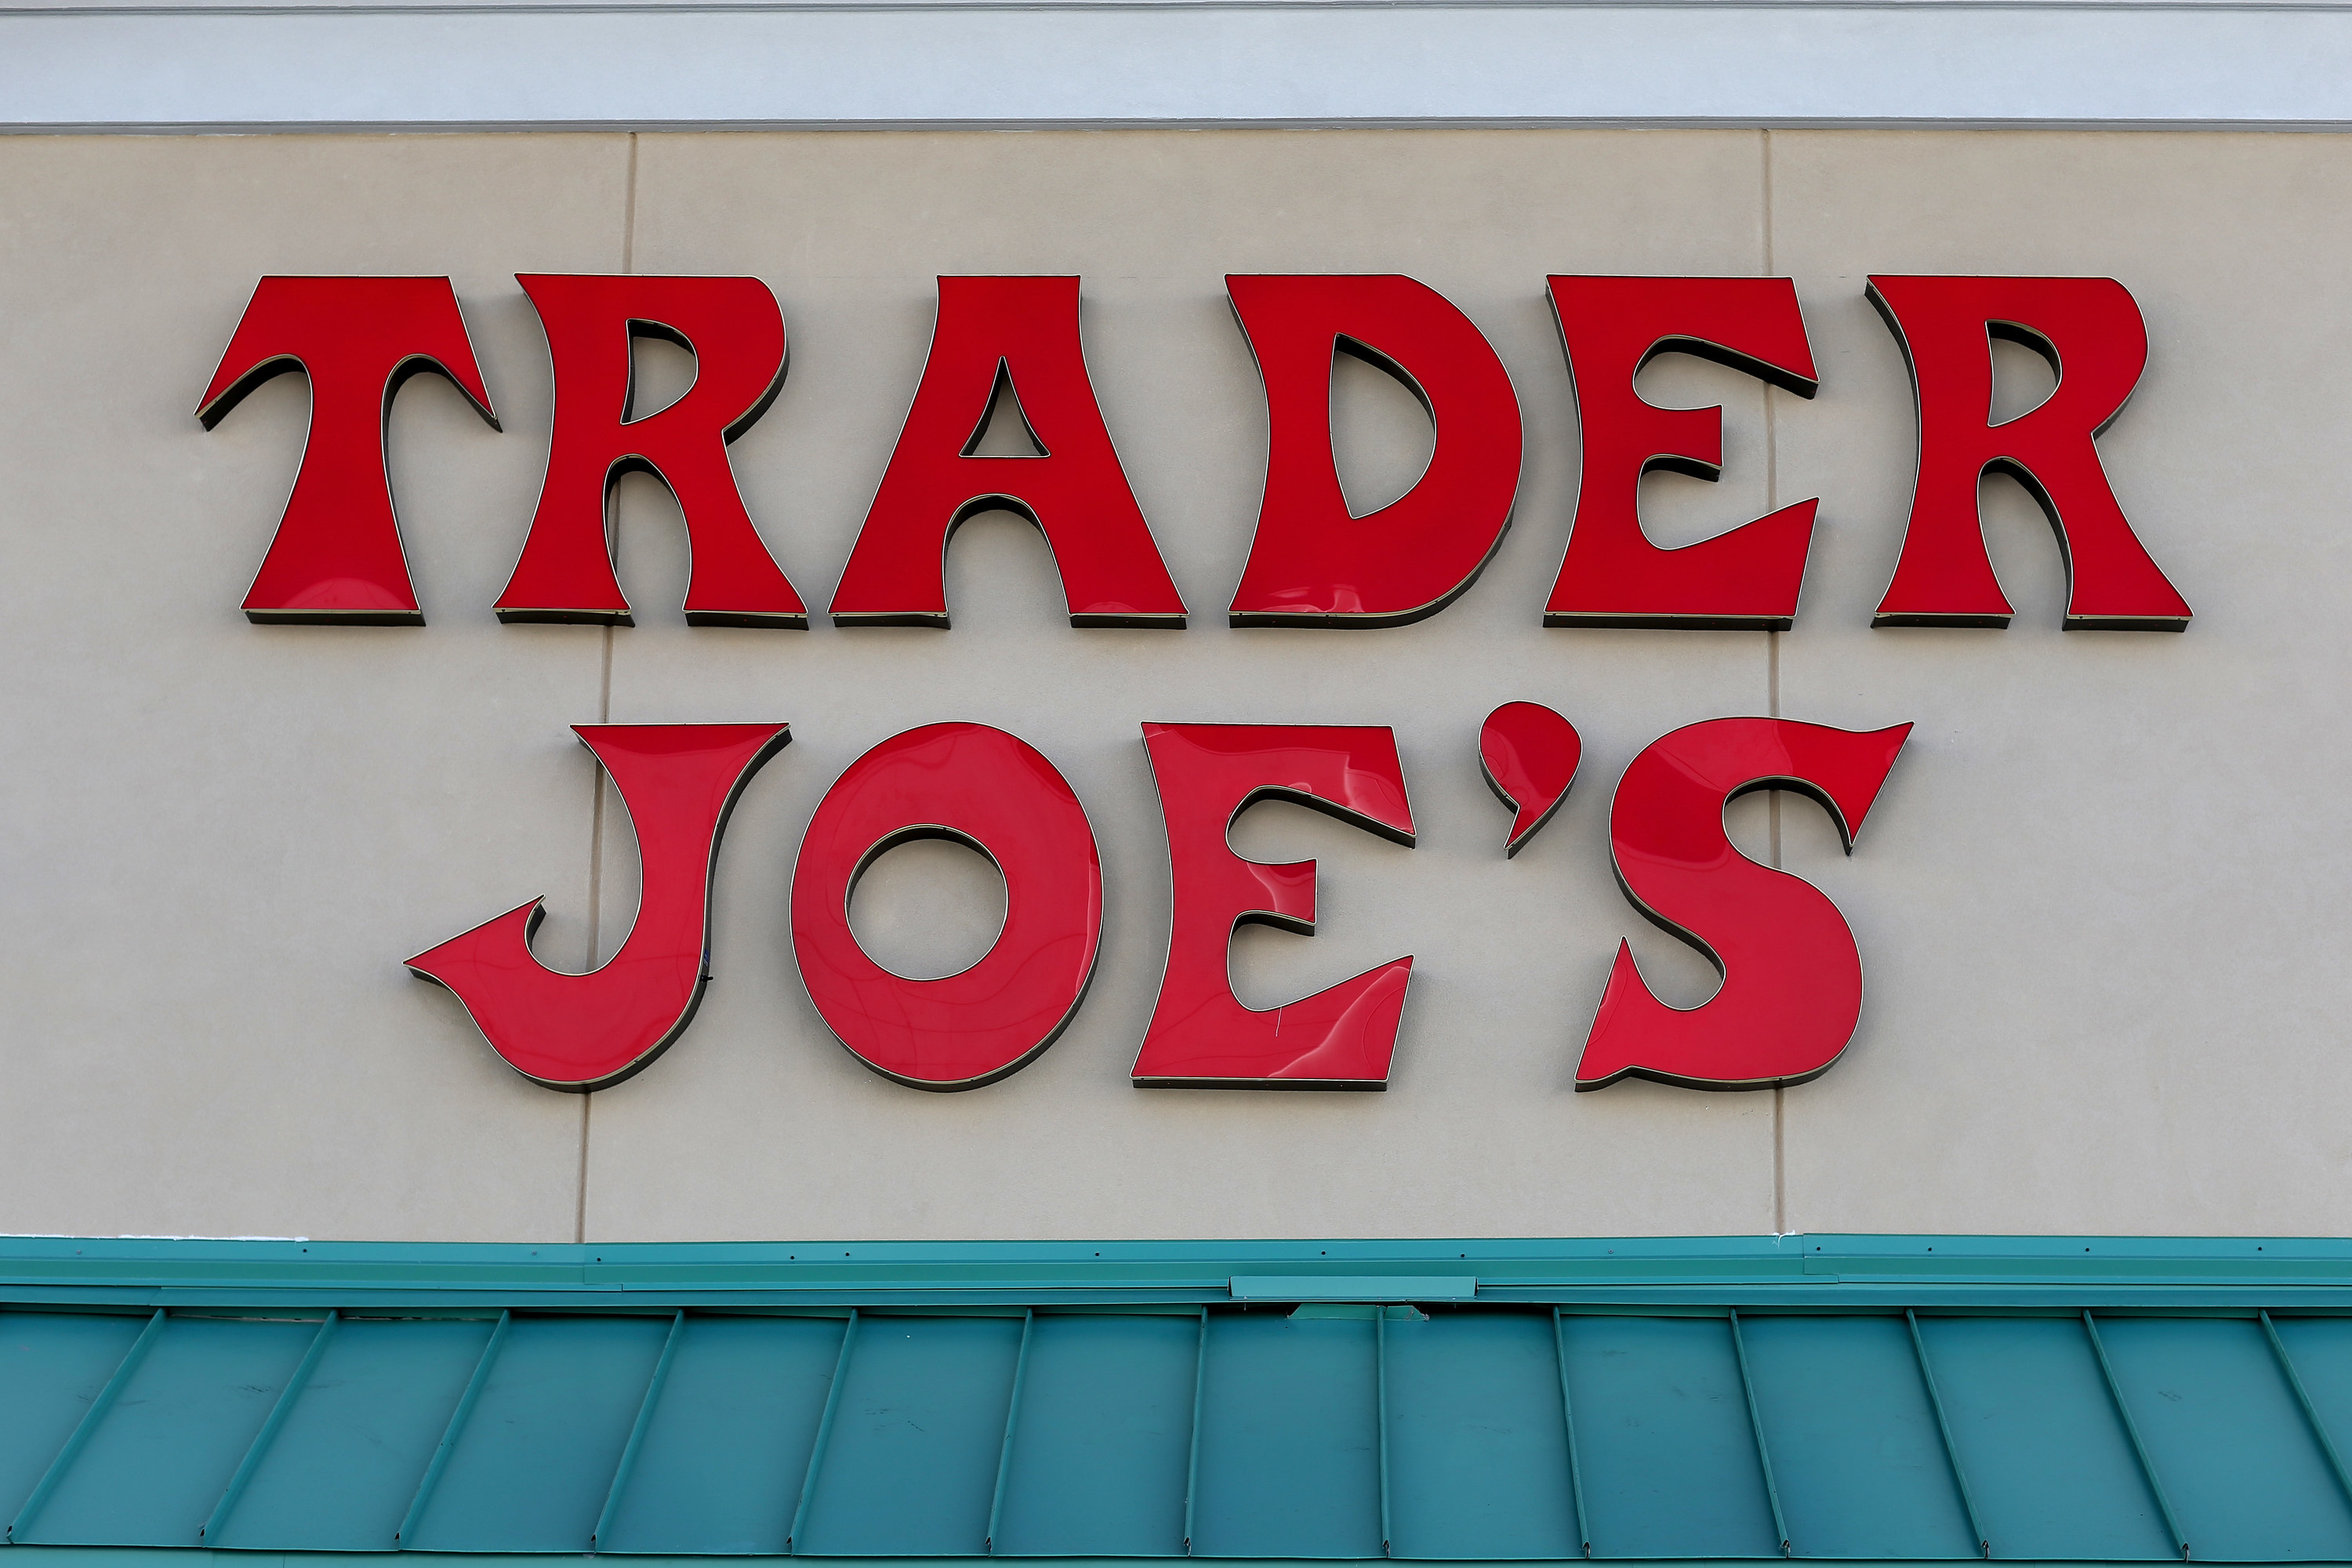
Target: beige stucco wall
(2101, 903)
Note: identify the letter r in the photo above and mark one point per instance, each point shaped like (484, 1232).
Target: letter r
(2090, 331)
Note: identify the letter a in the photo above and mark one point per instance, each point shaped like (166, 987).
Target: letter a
(992, 332)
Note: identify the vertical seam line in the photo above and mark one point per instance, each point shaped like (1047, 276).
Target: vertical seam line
(209, 1532)
(604, 716)
(823, 1433)
(1568, 1420)
(1756, 1425)
(1192, 1458)
(406, 1536)
(1012, 1423)
(2131, 1430)
(1381, 1383)
(1944, 1425)
(124, 1370)
(599, 1537)
(1772, 682)
(2310, 1411)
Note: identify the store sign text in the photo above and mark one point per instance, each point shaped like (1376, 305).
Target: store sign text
(1793, 978)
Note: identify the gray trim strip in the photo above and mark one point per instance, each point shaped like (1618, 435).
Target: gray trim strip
(999, 64)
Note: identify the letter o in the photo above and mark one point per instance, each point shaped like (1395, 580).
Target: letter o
(994, 792)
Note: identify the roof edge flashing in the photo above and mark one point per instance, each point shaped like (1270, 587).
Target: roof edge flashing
(2012, 1270)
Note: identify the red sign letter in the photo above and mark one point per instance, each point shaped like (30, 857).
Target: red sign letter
(1201, 1035)
(1023, 332)
(1612, 575)
(589, 1031)
(2090, 331)
(1311, 564)
(1791, 975)
(1528, 754)
(736, 333)
(336, 559)
(995, 792)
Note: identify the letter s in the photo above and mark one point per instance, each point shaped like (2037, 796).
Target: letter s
(1791, 974)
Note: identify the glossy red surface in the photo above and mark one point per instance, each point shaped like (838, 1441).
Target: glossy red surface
(586, 1031)
(1025, 329)
(1791, 974)
(1528, 754)
(1311, 563)
(1612, 575)
(336, 555)
(997, 793)
(2090, 331)
(1200, 1034)
(736, 333)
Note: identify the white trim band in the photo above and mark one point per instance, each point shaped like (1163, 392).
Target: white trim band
(292, 66)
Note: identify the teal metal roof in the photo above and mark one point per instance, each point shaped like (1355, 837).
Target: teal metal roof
(1674, 1400)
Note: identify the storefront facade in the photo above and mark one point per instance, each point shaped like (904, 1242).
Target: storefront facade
(992, 1211)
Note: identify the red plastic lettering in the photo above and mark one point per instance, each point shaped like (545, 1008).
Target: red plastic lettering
(991, 791)
(1024, 331)
(336, 559)
(1200, 1033)
(1528, 754)
(736, 333)
(1612, 575)
(1791, 975)
(588, 1031)
(1312, 565)
(2090, 331)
